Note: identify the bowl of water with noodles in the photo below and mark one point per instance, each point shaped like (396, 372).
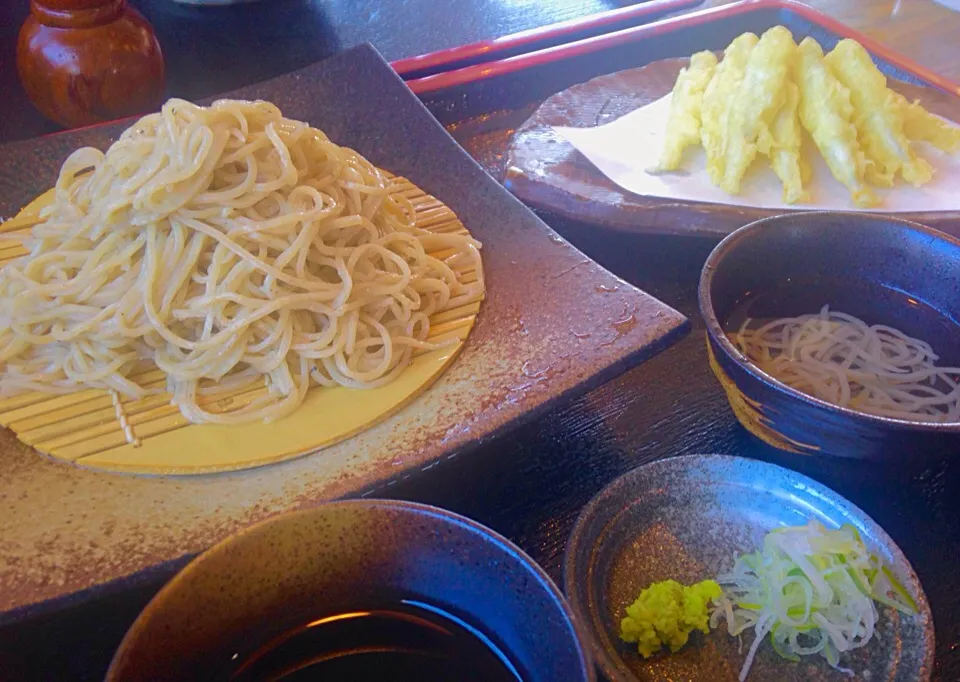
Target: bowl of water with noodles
(358, 590)
(837, 333)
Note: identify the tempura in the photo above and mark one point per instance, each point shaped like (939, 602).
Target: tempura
(683, 128)
(758, 98)
(879, 117)
(766, 91)
(827, 114)
(784, 146)
(920, 124)
(717, 99)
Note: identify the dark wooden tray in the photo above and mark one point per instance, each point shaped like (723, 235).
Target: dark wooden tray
(498, 111)
(560, 33)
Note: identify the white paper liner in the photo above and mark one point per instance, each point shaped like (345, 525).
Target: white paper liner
(624, 149)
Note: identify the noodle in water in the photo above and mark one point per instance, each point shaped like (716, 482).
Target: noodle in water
(841, 359)
(229, 247)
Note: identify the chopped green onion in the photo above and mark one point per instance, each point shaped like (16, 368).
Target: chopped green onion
(813, 590)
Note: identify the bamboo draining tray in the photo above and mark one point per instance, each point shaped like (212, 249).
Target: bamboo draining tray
(85, 427)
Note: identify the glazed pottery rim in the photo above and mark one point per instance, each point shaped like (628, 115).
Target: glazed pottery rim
(607, 660)
(717, 335)
(475, 528)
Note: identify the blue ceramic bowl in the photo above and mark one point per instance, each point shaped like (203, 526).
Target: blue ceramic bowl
(878, 268)
(346, 556)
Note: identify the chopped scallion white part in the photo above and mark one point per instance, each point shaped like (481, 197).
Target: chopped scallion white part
(812, 589)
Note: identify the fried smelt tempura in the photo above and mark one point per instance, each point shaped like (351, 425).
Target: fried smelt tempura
(759, 96)
(782, 145)
(683, 128)
(879, 117)
(920, 124)
(766, 91)
(717, 100)
(827, 114)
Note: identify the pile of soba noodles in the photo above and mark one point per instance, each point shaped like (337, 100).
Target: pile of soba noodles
(227, 246)
(845, 361)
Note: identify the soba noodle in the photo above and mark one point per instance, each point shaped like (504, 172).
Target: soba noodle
(229, 247)
(841, 359)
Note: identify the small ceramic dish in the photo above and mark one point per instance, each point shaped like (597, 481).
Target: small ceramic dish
(683, 518)
(880, 269)
(306, 567)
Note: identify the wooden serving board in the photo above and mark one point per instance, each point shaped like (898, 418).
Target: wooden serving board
(547, 172)
(96, 429)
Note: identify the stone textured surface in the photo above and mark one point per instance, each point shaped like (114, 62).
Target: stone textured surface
(683, 518)
(554, 323)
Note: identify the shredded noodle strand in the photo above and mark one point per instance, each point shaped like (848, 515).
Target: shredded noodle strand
(841, 359)
(229, 247)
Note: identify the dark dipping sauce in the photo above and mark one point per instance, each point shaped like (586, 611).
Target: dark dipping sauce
(402, 642)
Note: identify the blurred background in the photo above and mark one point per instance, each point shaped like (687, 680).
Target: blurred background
(211, 49)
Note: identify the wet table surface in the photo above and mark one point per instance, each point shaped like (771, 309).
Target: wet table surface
(531, 484)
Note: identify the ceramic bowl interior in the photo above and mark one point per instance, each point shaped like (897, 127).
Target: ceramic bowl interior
(880, 269)
(296, 568)
(682, 518)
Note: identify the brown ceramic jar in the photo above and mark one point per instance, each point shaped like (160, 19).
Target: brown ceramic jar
(86, 61)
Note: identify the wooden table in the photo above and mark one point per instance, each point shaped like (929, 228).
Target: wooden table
(923, 30)
(216, 37)
(531, 485)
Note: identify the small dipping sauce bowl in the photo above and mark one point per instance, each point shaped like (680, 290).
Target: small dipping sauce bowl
(880, 269)
(333, 563)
